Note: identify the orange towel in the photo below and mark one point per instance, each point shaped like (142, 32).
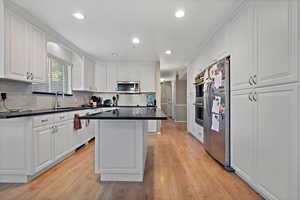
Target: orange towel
(77, 122)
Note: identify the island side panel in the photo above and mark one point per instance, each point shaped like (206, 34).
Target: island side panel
(121, 150)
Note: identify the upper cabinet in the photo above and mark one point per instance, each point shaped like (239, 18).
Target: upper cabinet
(241, 45)
(263, 39)
(25, 50)
(276, 23)
(108, 74)
(83, 73)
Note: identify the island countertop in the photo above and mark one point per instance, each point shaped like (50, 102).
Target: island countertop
(128, 114)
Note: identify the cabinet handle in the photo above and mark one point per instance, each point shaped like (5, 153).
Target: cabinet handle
(53, 129)
(27, 76)
(249, 97)
(61, 117)
(254, 97)
(44, 120)
(250, 80)
(254, 79)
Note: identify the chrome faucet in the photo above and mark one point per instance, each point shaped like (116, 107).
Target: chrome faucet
(56, 104)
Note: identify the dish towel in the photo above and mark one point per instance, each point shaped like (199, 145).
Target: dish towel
(77, 122)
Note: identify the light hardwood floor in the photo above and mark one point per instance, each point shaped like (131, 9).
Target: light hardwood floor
(177, 168)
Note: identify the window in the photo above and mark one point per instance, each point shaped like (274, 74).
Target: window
(58, 78)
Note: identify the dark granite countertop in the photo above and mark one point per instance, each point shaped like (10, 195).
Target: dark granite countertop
(133, 113)
(28, 112)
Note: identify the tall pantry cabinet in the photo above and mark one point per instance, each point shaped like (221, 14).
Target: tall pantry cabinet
(265, 97)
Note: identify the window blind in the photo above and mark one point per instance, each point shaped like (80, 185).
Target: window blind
(58, 78)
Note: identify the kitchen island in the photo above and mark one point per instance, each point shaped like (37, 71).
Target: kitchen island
(121, 142)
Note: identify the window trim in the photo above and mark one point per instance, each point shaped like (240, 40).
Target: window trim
(66, 63)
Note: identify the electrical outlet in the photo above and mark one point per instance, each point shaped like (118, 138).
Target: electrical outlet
(3, 96)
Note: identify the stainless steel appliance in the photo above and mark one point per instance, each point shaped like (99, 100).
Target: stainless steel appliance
(217, 111)
(128, 87)
(199, 104)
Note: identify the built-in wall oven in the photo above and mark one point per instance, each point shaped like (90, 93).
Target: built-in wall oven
(199, 101)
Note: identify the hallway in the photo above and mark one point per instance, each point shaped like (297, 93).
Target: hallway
(177, 168)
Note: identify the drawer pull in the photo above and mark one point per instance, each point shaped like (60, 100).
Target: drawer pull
(61, 117)
(44, 120)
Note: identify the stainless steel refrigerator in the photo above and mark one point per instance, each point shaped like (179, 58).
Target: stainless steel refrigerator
(217, 111)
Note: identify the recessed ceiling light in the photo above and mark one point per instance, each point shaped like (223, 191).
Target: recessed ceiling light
(115, 54)
(179, 13)
(168, 52)
(135, 40)
(78, 15)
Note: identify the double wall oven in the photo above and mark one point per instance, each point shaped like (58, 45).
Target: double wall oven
(199, 103)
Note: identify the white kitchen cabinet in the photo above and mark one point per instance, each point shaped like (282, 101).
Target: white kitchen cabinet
(43, 147)
(264, 138)
(241, 48)
(277, 141)
(2, 27)
(242, 133)
(263, 40)
(152, 126)
(25, 50)
(129, 72)
(277, 42)
(89, 73)
(62, 139)
(101, 77)
(147, 78)
(83, 74)
(15, 47)
(36, 39)
(112, 76)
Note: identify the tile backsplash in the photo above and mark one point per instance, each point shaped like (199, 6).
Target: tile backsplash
(19, 96)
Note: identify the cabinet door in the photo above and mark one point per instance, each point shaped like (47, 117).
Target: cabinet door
(15, 47)
(241, 41)
(89, 74)
(62, 139)
(2, 28)
(101, 77)
(43, 147)
(276, 143)
(111, 77)
(37, 53)
(277, 42)
(147, 78)
(242, 133)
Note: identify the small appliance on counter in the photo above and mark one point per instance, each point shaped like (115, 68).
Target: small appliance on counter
(107, 103)
(97, 100)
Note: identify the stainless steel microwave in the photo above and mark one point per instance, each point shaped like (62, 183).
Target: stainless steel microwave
(128, 87)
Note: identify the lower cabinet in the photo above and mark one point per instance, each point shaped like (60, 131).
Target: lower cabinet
(242, 133)
(62, 139)
(264, 135)
(51, 143)
(43, 147)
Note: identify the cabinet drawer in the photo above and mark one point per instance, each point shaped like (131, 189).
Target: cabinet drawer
(63, 116)
(42, 120)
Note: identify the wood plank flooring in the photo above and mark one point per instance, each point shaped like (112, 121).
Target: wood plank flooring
(177, 168)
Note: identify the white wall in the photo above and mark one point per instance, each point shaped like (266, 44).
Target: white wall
(216, 47)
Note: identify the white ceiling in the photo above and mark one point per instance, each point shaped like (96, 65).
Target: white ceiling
(111, 24)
